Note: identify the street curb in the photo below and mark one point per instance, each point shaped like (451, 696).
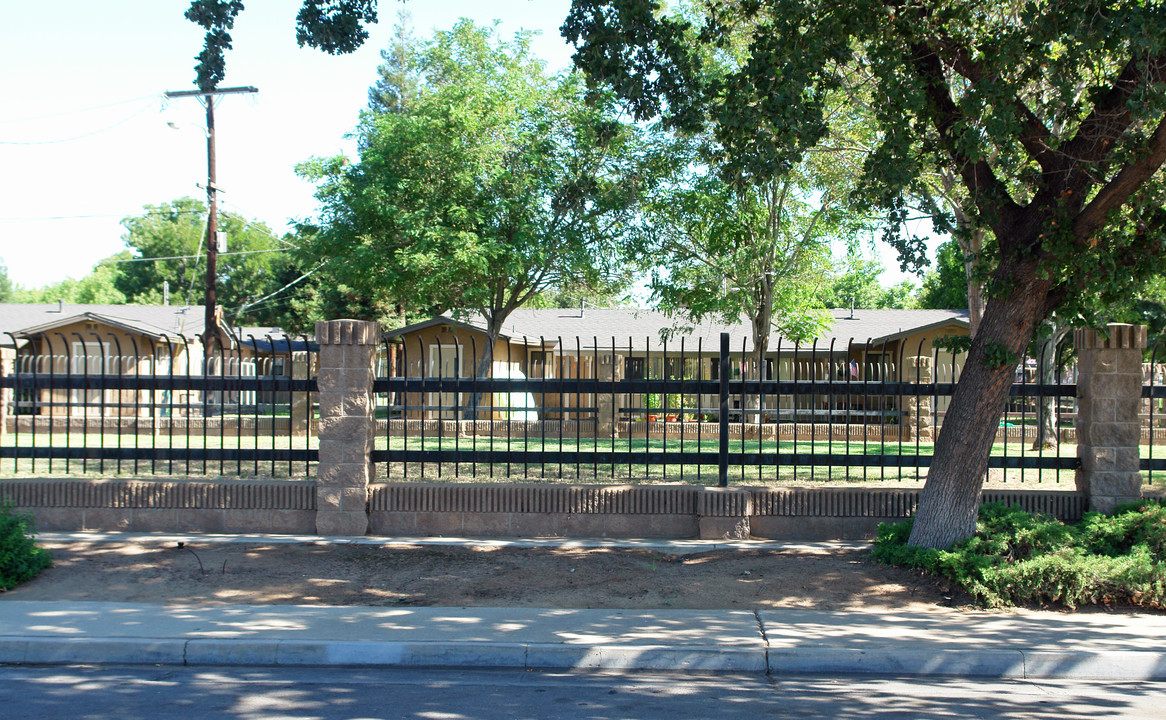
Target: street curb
(329, 653)
(72, 651)
(1014, 664)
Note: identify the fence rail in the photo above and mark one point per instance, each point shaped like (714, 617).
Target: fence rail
(549, 410)
(79, 404)
(614, 409)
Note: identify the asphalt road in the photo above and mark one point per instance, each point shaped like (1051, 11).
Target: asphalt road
(150, 693)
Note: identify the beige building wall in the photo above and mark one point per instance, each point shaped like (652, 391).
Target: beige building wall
(89, 348)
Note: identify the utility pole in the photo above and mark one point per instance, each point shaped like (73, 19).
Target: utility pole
(210, 328)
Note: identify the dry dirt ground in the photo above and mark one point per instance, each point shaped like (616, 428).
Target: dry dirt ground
(328, 574)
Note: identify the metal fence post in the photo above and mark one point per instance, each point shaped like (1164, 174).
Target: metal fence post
(723, 416)
(5, 395)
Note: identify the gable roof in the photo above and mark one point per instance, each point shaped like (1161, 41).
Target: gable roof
(153, 321)
(638, 329)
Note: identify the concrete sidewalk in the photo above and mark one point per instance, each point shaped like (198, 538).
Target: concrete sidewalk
(1021, 645)
(943, 642)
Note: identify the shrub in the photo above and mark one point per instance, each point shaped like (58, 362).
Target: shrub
(20, 558)
(1017, 557)
(1130, 525)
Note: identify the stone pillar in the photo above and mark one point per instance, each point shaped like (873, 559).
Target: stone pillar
(1109, 395)
(917, 422)
(347, 425)
(610, 369)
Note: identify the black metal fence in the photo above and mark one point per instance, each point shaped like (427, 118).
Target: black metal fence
(580, 410)
(548, 409)
(109, 404)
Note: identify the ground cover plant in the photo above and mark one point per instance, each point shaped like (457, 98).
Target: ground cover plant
(20, 558)
(1021, 558)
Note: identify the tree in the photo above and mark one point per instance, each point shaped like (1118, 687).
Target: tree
(609, 292)
(99, 287)
(737, 233)
(334, 26)
(945, 286)
(496, 184)
(174, 234)
(1051, 115)
(854, 282)
(7, 288)
(398, 77)
(973, 241)
(752, 248)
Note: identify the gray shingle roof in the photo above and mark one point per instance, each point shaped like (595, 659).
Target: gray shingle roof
(151, 320)
(642, 328)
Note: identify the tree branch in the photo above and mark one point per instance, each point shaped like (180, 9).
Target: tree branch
(1097, 134)
(1118, 190)
(1036, 136)
(986, 190)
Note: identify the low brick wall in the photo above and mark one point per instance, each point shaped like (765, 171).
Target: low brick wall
(221, 506)
(647, 511)
(658, 511)
(479, 510)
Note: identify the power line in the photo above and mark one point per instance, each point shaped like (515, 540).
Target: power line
(267, 298)
(192, 257)
(76, 111)
(77, 137)
(92, 217)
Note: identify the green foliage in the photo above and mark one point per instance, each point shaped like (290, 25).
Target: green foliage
(99, 287)
(20, 558)
(7, 288)
(216, 17)
(1017, 557)
(334, 26)
(855, 280)
(954, 344)
(608, 292)
(1141, 523)
(399, 75)
(945, 286)
(498, 182)
(997, 354)
(249, 270)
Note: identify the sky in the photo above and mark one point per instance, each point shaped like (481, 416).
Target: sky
(85, 136)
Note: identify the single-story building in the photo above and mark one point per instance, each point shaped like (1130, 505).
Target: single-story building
(861, 345)
(70, 339)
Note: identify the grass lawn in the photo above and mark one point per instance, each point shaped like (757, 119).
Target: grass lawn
(599, 460)
(783, 463)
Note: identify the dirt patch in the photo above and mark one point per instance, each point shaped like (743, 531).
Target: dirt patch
(327, 574)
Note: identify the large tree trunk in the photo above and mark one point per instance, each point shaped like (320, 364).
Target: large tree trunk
(761, 324)
(950, 501)
(485, 361)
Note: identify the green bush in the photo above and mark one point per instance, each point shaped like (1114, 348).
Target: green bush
(20, 558)
(1130, 525)
(1017, 557)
